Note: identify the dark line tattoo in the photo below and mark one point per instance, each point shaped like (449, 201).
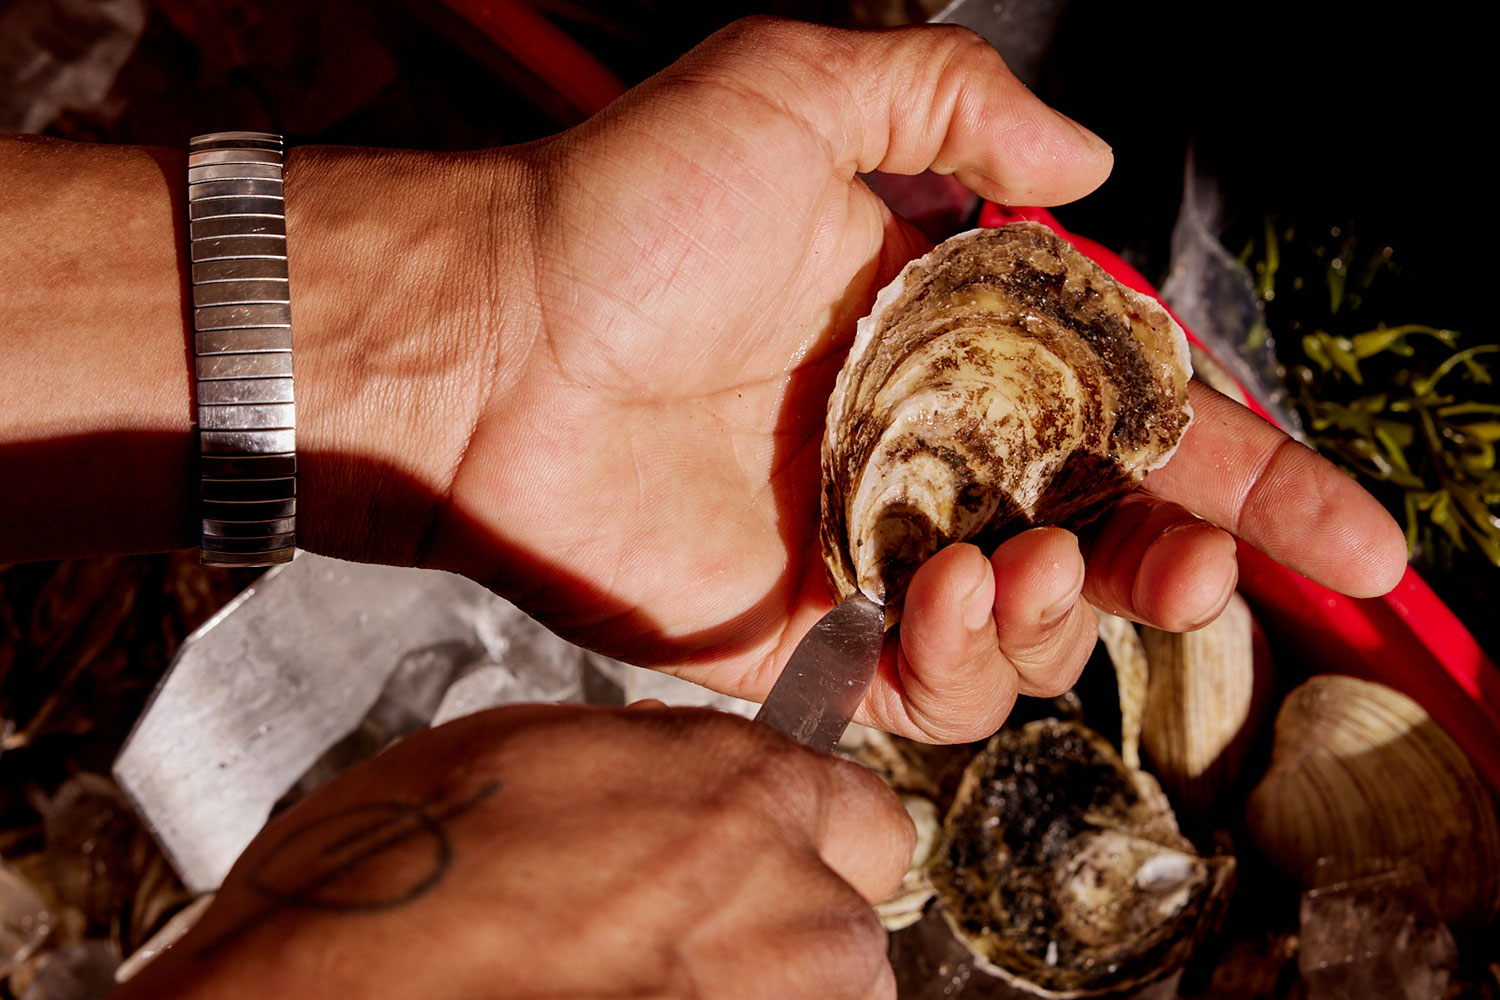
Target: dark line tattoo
(377, 827)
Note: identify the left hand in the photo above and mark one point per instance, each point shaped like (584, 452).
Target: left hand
(640, 463)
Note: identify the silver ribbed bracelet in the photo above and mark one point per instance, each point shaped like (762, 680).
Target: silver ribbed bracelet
(242, 316)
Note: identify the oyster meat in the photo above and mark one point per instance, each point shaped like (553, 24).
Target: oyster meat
(1064, 873)
(1002, 381)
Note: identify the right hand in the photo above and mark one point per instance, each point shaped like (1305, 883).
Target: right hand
(563, 851)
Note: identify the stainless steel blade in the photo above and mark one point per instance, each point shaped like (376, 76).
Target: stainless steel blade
(826, 678)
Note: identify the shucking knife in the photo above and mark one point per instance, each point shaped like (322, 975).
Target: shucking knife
(826, 678)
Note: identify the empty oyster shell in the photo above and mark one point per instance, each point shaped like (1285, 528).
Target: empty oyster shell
(1358, 773)
(1003, 380)
(1063, 870)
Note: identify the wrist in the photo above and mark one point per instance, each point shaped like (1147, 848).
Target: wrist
(412, 303)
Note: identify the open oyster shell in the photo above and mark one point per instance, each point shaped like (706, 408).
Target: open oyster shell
(1063, 871)
(1003, 380)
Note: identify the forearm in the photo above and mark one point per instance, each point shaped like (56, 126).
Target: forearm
(95, 421)
(402, 280)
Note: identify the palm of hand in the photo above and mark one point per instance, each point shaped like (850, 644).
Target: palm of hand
(702, 291)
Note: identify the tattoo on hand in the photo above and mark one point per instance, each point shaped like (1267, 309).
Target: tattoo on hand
(310, 867)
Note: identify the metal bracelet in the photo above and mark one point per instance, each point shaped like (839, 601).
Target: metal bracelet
(242, 316)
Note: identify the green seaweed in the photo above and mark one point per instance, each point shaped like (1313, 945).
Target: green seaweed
(1405, 408)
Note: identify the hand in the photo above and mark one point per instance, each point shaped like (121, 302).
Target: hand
(592, 373)
(701, 251)
(563, 851)
(617, 423)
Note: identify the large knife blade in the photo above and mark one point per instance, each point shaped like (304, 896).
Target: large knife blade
(826, 678)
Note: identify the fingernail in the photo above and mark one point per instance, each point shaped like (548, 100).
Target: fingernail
(1217, 607)
(1063, 605)
(1088, 137)
(979, 607)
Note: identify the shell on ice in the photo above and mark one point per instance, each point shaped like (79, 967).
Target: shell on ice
(1064, 873)
(1001, 381)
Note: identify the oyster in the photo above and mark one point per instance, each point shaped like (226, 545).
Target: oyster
(904, 907)
(1002, 381)
(1063, 870)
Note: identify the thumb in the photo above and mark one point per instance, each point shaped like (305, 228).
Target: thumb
(936, 97)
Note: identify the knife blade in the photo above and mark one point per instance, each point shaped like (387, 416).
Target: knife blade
(825, 680)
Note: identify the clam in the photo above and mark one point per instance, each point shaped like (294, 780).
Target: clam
(1206, 696)
(1360, 774)
(1063, 871)
(1001, 381)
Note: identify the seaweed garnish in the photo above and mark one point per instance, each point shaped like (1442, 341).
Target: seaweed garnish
(1410, 409)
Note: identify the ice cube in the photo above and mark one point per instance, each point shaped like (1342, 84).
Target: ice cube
(1374, 936)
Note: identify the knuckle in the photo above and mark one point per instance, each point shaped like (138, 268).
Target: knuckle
(747, 28)
(1058, 679)
(960, 54)
(1052, 680)
(1055, 664)
(953, 54)
(967, 730)
(884, 988)
(766, 770)
(959, 42)
(966, 701)
(841, 925)
(839, 955)
(942, 726)
(730, 755)
(762, 35)
(856, 787)
(862, 941)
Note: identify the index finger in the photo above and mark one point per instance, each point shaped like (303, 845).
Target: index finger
(1243, 474)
